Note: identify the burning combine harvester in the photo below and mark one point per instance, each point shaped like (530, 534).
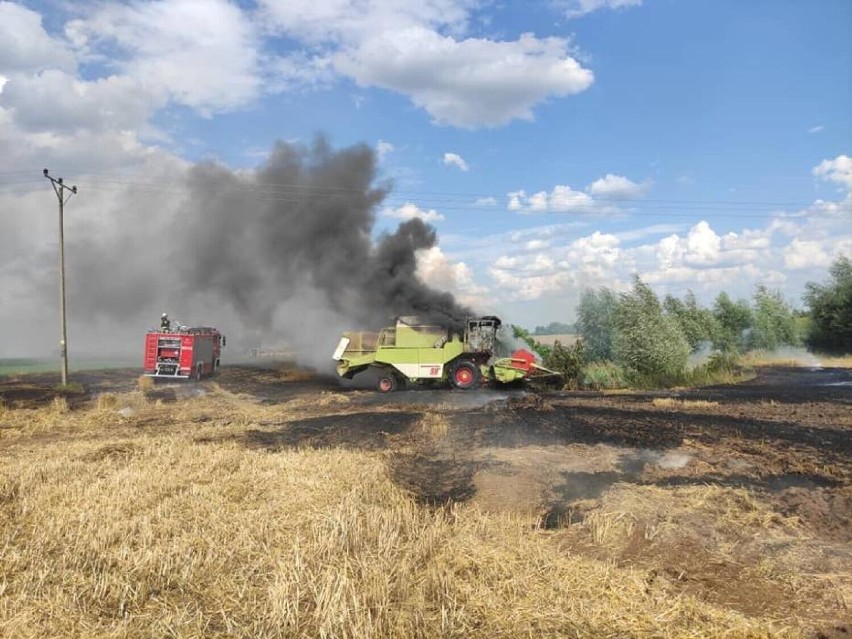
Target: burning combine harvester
(415, 351)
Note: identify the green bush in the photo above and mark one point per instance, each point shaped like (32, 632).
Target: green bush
(567, 361)
(723, 362)
(603, 376)
(723, 367)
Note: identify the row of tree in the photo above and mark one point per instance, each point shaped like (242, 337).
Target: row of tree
(652, 340)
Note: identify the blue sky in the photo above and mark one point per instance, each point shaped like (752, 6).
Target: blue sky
(554, 145)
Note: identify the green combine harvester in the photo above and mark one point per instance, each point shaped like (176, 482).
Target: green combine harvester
(416, 352)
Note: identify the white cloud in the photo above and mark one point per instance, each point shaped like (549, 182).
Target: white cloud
(420, 49)
(25, 46)
(838, 170)
(816, 129)
(467, 83)
(351, 21)
(515, 200)
(616, 187)
(552, 270)
(702, 245)
(417, 49)
(437, 270)
(59, 102)
(703, 248)
(562, 199)
(454, 159)
(485, 201)
(383, 148)
(576, 8)
(203, 54)
(801, 254)
(409, 211)
(299, 71)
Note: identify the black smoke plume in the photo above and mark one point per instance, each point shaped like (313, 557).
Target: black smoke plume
(285, 253)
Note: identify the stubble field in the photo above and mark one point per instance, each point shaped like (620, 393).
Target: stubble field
(271, 503)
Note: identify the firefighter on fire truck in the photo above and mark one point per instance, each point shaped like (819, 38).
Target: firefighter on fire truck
(165, 323)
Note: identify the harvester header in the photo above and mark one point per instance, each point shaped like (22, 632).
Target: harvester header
(417, 351)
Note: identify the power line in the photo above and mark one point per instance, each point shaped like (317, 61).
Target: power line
(286, 193)
(458, 202)
(440, 196)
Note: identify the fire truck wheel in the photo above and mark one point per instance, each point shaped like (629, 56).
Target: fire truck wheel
(386, 383)
(465, 375)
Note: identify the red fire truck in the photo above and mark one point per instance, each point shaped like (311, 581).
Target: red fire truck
(183, 353)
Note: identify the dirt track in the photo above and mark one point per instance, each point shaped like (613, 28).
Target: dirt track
(785, 437)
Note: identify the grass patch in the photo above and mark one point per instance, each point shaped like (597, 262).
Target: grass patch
(835, 361)
(71, 388)
(296, 375)
(785, 357)
(682, 404)
(146, 384)
(602, 376)
(721, 368)
(434, 425)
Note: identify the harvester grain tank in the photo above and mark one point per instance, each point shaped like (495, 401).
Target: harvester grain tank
(183, 352)
(415, 351)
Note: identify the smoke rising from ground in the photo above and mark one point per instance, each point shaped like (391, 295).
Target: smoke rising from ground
(285, 253)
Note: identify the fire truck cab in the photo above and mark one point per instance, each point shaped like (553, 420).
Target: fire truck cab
(183, 353)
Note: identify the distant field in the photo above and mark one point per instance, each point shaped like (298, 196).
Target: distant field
(566, 339)
(20, 365)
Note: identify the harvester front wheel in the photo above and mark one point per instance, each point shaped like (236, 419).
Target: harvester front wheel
(465, 375)
(386, 382)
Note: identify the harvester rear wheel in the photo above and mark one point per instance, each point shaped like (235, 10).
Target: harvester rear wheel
(465, 375)
(386, 382)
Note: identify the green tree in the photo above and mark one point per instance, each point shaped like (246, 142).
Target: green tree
(648, 343)
(596, 322)
(698, 323)
(774, 323)
(830, 307)
(734, 319)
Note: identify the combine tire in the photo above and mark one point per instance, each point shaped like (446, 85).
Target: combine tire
(387, 382)
(465, 375)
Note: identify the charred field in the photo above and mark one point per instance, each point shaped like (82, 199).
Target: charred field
(268, 501)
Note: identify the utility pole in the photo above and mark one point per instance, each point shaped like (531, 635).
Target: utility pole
(63, 193)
